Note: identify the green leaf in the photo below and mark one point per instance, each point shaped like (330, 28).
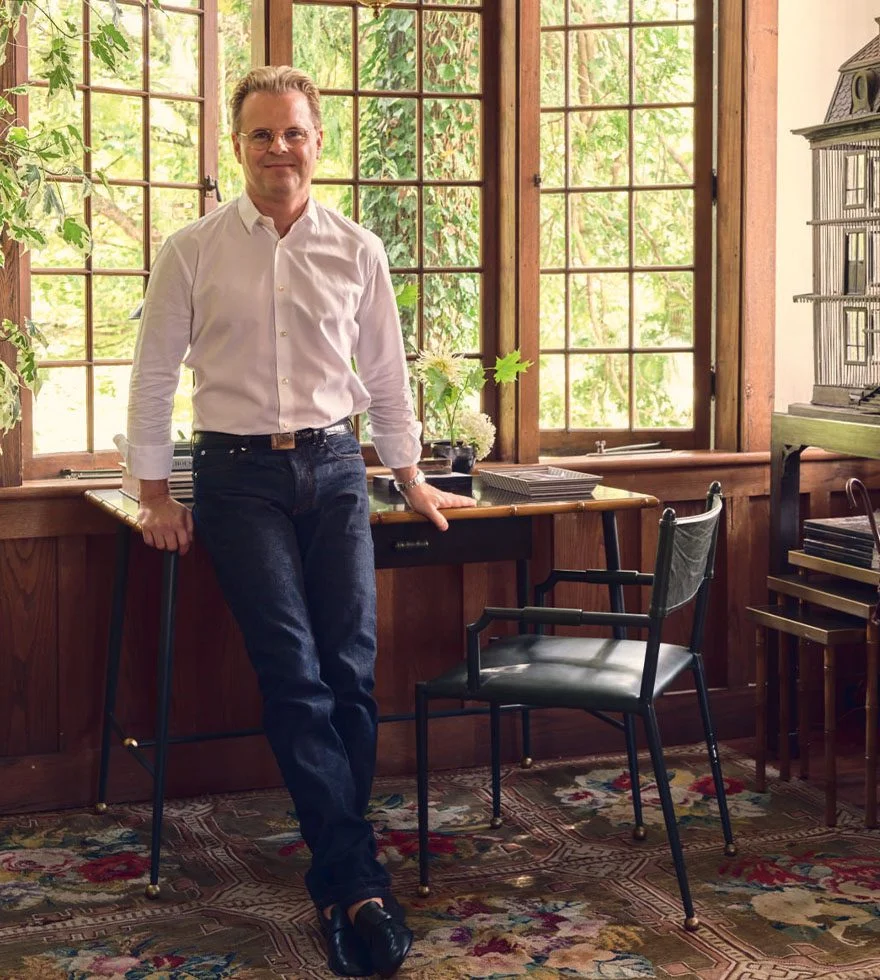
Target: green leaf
(510, 367)
(407, 296)
(75, 233)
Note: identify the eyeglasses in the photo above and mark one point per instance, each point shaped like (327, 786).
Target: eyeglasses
(262, 139)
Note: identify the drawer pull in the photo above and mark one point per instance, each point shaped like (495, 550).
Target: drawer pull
(419, 544)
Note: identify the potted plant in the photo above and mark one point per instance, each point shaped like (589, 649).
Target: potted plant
(448, 379)
(31, 160)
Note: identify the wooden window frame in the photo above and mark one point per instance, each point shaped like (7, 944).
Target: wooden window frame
(745, 227)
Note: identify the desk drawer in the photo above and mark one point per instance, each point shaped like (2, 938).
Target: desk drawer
(493, 539)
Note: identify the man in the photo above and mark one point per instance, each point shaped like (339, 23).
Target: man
(269, 300)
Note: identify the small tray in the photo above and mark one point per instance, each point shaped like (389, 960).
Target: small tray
(542, 482)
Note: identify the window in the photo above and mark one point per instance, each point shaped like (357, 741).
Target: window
(146, 127)
(856, 325)
(854, 189)
(401, 94)
(625, 236)
(854, 279)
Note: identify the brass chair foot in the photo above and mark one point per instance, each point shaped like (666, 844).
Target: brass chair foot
(130, 743)
(639, 832)
(692, 923)
(526, 762)
(424, 890)
(101, 808)
(495, 822)
(730, 850)
(152, 891)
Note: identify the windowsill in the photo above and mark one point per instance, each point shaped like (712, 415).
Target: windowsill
(600, 463)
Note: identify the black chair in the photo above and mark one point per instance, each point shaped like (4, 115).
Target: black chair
(616, 675)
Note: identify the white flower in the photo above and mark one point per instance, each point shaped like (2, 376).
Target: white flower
(476, 429)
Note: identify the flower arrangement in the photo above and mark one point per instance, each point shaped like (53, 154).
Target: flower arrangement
(448, 378)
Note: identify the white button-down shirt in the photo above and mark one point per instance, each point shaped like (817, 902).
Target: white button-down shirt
(270, 328)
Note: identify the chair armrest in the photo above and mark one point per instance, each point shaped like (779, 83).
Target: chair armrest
(593, 576)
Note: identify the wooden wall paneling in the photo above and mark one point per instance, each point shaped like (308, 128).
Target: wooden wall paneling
(28, 647)
(735, 670)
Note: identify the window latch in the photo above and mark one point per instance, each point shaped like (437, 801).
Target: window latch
(211, 187)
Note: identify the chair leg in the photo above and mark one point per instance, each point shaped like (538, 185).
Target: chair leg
(495, 737)
(784, 709)
(422, 785)
(639, 831)
(691, 922)
(714, 761)
(525, 717)
(830, 730)
(872, 643)
(760, 709)
(163, 707)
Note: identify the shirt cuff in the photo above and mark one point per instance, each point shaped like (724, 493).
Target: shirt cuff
(150, 462)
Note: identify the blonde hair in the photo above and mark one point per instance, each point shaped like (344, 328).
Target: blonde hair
(276, 79)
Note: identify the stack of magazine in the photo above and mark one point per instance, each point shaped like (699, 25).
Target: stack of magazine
(542, 482)
(844, 539)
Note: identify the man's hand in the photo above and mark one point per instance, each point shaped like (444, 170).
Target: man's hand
(428, 501)
(165, 522)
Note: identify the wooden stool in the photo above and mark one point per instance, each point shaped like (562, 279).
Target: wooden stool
(827, 631)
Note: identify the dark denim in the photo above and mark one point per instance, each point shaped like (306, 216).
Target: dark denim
(289, 536)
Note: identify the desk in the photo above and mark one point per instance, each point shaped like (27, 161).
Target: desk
(499, 528)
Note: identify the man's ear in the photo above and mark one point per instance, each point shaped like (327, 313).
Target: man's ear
(236, 147)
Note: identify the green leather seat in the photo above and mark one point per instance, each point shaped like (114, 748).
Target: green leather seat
(604, 676)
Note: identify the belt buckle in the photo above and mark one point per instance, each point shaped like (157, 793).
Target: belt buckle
(282, 440)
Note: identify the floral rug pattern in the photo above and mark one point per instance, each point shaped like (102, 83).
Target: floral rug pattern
(559, 890)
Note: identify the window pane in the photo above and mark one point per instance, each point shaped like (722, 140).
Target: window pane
(58, 308)
(664, 390)
(599, 391)
(598, 11)
(130, 68)
(552, 13)
(56, 253)
(451, 51)
(600, 310)
(599, 148)
(553, 69)
(117, 138)
(551, 381)
(322, 43)
(452, 311)
(114, 299)
(60, 411)
(46, 115)
(337, 155)
(663, 9)
(406, 291)
(387, 50)
(664, 146)
(664, 309)
(391, 213)
(452, 139)
(599, 229)
(234, 55)
(335, 196)
(174, 57)
(452, 226)
(171, 209)
(44, 34)
(388, 138)
(174, 141)
(598, 67)
(552, 311)
(118, 228)
(111, 401)
(664, 227)
(552, 149)
(664, 64)
(552, 230)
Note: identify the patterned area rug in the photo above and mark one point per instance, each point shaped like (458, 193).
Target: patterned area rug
(560, 890)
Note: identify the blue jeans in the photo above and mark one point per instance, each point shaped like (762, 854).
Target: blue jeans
(288, 533)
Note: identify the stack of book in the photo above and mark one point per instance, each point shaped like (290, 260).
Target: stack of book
(844, 539)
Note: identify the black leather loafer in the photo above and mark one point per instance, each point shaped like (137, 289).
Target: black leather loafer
(388, 940)
(347, 953)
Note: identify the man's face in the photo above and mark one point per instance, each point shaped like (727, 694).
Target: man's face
(280, 172)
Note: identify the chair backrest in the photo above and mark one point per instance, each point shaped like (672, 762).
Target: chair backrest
(684, 566)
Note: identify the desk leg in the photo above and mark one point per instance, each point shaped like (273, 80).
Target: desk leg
(872, 640)
(522, 599)
(163, 696)
(114, 652)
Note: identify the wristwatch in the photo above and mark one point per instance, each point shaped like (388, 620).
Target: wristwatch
(401, 486)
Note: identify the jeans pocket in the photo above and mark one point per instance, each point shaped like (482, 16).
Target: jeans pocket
(213, 460)
(344, 446)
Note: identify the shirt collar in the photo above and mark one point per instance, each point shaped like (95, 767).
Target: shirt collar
(250, 216)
